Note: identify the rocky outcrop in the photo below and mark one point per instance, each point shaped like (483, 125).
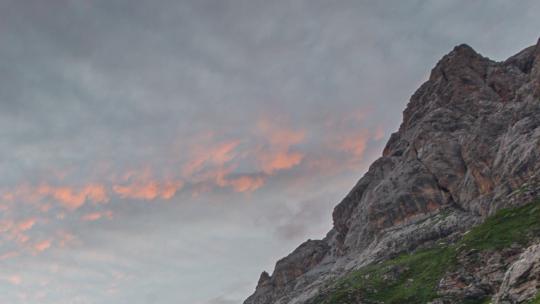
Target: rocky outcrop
(470, 137)
(478, 275)
(522, 280)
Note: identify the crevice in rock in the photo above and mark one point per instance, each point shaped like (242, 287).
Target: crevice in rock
(452, 200)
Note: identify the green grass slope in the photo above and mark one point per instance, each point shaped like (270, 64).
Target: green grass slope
(413, 278)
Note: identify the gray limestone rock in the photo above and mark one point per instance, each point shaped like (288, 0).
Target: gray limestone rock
(522, 279)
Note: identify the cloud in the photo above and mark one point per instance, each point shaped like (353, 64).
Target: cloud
(298, 222)
(15, 279)
(245, 183)
(26, 224)
(94, 216)
(275, 155)
(216, 154)
(379, 133)
(279, 160)
(14, 231)
(42, 245)
(224, 177)
(72, 198)
(64, 238)
(69, 197)
(149, 190)
(8, 255)
(229, 97)
(355, 143)
(278, 135)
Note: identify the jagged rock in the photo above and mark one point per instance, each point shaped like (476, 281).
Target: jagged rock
(288, 269)
(479, 274)
(522, 280)
(470, 138)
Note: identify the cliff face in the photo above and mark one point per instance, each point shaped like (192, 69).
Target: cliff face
(470, 137)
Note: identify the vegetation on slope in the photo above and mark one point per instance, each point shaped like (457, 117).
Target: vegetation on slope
(536, 300)
(413, 278)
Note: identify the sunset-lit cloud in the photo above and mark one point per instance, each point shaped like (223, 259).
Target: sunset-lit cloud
(355, 143)
(278, 135)
(26, 224)
(276, 154)
(148, 190)
(169, 140)
(245, 183)
(72, 198)
(42, 245)
(275, 148)
(15, 231)
(279, 160)
(213, 164)
(94, 216)
(68, 196)
(216, 154)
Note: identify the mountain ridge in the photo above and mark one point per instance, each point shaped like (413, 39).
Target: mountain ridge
(470, 138)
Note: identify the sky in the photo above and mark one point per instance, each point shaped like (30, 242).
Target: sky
(170, 151)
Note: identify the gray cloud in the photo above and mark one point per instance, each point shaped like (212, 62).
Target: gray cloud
(92, 91)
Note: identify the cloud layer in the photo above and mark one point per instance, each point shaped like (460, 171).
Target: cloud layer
(169, 151)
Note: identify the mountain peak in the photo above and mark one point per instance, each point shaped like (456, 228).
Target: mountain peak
(464, 49)
(469, 139)
(462, 59)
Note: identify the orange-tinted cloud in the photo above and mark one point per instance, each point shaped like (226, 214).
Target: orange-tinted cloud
(69, 197)
(148, 190)
(26, 224)
(90, 217)
(208, 164)
(355, 144)
(15, 231)
(217, 155)
(279, 135)
(280, 160)
(72, 198)
(169, 189)
(94, 216)
(43, 245)
(276, 155)
(223, 177)
(22, 192)
(246, 183)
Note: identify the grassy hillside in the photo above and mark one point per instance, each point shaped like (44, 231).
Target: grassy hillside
(536, 300)
(413, 278)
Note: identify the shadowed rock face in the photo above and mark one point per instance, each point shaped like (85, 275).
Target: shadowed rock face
(470, 136)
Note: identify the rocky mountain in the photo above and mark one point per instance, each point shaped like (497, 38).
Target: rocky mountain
(445, 215)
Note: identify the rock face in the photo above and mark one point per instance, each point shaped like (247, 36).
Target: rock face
(470, 137)
(479, 274)
(522, 279)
